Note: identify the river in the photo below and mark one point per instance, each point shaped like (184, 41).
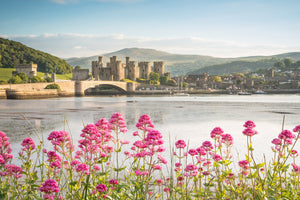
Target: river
(191, 118)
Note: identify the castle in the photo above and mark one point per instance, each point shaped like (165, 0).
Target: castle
(115, 70)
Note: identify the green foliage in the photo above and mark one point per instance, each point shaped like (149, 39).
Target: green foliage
(15, 80)
(53, 86)
(48, 79)
(236, 66)
(36, 79)
(23, 76)
(279, 64)
(154, 77)
(163, 80)
(172, 82)
(141, 80)
(6, 73)
(77, 67)
(217, 79)
(287, 62)
(14, 53)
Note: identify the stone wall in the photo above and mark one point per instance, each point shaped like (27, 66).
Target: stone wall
(29, 69)
(80, 74)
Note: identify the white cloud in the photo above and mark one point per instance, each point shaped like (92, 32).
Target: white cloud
(80, 45)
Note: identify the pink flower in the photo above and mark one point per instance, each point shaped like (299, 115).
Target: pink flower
(296, 168)
(145, 123)
(180, 178)
(101, 188)
(190, 167)
(49, 186)
(28, 144)
(193, 152)
(217, 158)
(244, 164)
(216, 132)
(201, 151)
(96, 168)
(207, 146)
(13, 170)
(157, 167)
(249, 132)
(83, 168)
(249, 124)
(178, 164)
(180, 144)
(124, 141)
(276, 141)
(297, 129)
(166, 189)
(117, 121)
(159, 182)
(163, 160)
(206, 173)
(227, 139)
(136, 133)
(286, 134)
(113, 182)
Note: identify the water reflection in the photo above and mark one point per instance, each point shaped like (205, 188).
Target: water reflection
(190, 118)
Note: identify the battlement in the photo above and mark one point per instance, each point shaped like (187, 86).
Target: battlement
(115, 70)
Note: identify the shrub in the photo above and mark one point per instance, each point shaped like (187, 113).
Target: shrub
(36, 79)
(53, 86)
(48, 79)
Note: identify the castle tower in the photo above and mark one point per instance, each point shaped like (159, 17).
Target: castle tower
(159, 67)
(133, 71)
(144, 70)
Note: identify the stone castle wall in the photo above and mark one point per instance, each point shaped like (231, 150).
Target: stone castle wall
(29, 69)
(115, 70)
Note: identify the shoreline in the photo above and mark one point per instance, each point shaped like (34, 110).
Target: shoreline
(53, 93)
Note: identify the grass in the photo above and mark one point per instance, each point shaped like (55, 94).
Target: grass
(6, 74)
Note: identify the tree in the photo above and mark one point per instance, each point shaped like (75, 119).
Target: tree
(279, 64)
(36, 79)
(288, 62)
(154, 77)
(77, 67)
(172, 82)
(217, 79)
(15, 80)
(23, 76)
(164, 80)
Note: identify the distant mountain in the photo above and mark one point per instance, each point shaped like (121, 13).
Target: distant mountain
(179, 64)
(13, 53)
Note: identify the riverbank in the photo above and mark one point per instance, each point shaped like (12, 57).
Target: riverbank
(53, 93)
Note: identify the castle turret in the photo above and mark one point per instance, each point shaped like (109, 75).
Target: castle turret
(159, 67)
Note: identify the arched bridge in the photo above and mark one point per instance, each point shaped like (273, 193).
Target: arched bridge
(81, 86)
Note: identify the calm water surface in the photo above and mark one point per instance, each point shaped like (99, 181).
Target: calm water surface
(191, 118)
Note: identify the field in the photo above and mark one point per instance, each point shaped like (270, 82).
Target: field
(6, 74)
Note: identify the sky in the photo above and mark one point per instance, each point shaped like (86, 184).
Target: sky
(219, 28)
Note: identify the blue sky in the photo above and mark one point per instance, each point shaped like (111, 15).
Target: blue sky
(223, 28)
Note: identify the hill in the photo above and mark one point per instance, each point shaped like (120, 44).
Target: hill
(236, 66)
(179, 64)
(13, 53)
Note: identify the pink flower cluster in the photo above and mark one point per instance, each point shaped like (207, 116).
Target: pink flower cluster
(28, 144)
(5, 149)
(12, 170)
(117, 122)
(249, 131)
(49, 187)
(145, 123)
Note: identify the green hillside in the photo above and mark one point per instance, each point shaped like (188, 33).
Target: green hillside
(13, 53)
(236, 66)
(179, 64)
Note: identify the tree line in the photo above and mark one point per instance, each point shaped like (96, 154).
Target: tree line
(14, 53)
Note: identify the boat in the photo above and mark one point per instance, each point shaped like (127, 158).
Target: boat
(259, 92)
(244, 93)
(181, 94)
